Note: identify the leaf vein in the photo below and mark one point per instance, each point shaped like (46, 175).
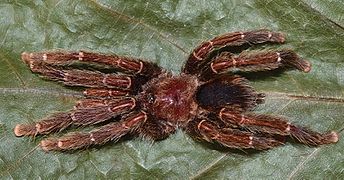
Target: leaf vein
(121, 15)
(40, 91)
(15, 165)
(301, 164)
(207, 168)
(280, 95)
(18, 76)
(325, 18)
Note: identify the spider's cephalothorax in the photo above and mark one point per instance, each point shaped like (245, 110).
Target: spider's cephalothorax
(170, 98)
(207, 100)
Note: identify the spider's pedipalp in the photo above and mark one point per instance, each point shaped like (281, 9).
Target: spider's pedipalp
(87, 112)
(110, 132)
(262, 61)
(199, 56)
(153, 129)
(125, 64)
(276, 125)
(205, 129)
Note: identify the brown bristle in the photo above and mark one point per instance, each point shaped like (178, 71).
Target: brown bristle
(49, 144)
(25, 130)
(332, 137)
(26, 57)
(307, 67)
(74, 141)
(277, 37)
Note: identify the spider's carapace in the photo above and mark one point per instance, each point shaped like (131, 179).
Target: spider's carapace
(171, 98)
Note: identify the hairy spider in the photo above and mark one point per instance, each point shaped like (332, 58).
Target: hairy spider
(207, 99)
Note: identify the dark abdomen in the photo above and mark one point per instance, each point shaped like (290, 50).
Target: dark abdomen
(223, 93)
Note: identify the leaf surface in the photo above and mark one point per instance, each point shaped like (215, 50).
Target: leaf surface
(165, 32)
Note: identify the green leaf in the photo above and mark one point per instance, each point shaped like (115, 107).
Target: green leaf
(165, 32)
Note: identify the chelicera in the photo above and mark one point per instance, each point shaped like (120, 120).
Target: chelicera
(209, 100)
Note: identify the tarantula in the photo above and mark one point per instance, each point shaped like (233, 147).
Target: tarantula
(208, 99)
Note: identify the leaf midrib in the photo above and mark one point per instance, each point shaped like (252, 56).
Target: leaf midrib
(270, 94)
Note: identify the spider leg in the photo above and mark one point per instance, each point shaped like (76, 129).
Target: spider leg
(105, 93)
(205, 129)
(85, 78)
(276, 125)
(199, 55)
(124, 64)
(110, 132)
(86, 112)
(261, 61)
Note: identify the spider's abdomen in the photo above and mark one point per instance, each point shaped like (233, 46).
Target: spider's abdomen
(219, 94)
(170, 98)
(227, 92)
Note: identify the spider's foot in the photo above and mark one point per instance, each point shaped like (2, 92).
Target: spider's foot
(25, 130)
(331, 137)
(49, 144)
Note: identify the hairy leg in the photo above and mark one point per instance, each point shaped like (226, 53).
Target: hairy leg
(85, 78)
(261, 61)
(110, 132)
(153, 129)
(276, 125)
(199, 55)
(86, 112)
(124, 64)
(205, 129)
(105, 93)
